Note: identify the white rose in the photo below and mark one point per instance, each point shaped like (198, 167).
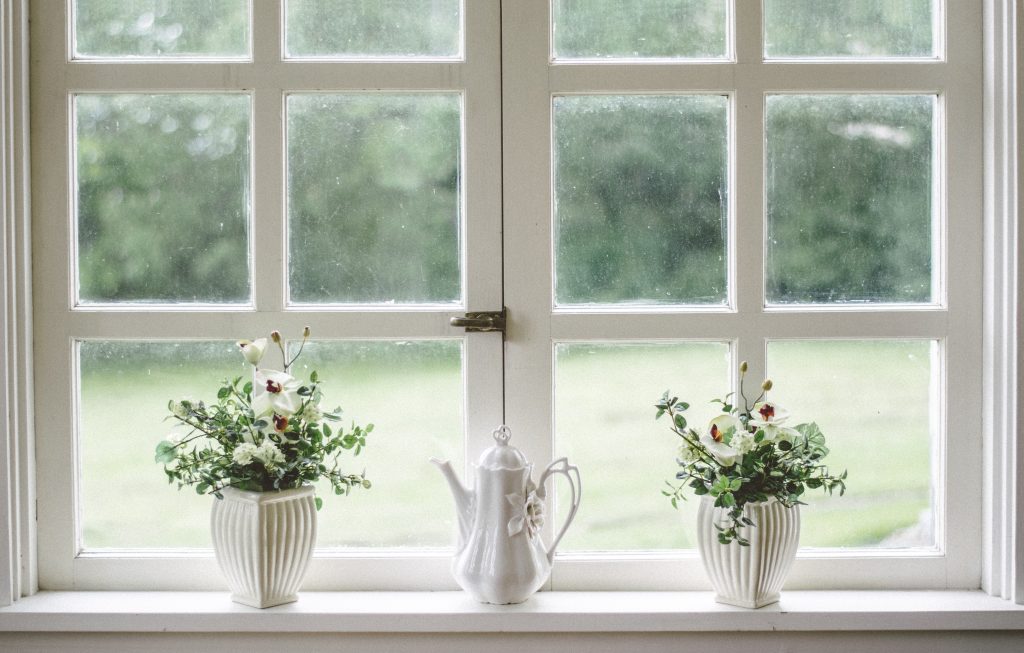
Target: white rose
(244, 453)
(176, 436)
(687, 454)
(312, 414)
(269, 454)
(743, 442)
(180, 407)
(275, 392)
(253, 350)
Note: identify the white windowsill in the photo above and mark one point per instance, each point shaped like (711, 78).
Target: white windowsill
(425, 612)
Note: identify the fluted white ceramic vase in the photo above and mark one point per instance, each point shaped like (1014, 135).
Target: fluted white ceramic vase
(749, 576)
(264, 542)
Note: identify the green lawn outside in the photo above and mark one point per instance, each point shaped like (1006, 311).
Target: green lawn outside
(870, 398)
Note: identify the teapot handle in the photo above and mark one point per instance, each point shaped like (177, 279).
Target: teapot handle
(571, 472)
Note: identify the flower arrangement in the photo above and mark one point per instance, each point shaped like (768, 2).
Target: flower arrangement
(270, 433)
(747, 455)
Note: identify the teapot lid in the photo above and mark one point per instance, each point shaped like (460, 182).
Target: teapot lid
(502, 455)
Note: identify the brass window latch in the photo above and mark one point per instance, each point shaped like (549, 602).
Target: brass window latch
(481, 321)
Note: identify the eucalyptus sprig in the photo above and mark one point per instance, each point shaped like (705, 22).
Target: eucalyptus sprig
(270, 433)
(747, 455)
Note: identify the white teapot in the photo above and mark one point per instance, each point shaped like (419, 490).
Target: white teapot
(500, 557)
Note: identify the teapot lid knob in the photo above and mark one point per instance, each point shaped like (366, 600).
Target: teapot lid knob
(502, 435)
(502, 455)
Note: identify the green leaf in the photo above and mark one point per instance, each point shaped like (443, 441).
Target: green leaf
(223, 392)
(166, 452)
(318, 501)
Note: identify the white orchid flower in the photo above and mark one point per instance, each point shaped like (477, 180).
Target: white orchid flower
(723, 425)
(766, 413)
(275, 393)
(723, 453)
(774, 433)
(769, 418)
(253, 350)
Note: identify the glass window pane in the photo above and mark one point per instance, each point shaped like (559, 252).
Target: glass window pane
(641, 199)
(875, 402)
(412, 392)
(639, 29)
(374, 28)
(604, 423)
(161, 28)
(840, 28)
(163, 198)
(374, 198)
(124, 390)
(125, 387)
(849, 194)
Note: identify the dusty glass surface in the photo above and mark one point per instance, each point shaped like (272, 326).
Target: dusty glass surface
(411, 391)
(124, 388)
(641, 201)
(875, 403)
(374, 202)
(604, 422)
(849, 181)
(841, 28)
(163, 198)
(373, 28)
(639, 29)
(161, 28)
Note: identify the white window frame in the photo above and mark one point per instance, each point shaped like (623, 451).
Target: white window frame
(1003, 497)
(533, 79)
(267, 78)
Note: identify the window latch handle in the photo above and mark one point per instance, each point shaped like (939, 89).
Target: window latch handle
(481, 321)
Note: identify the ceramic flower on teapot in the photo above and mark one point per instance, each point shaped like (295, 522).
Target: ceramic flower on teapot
(500, 556)
(532, 518)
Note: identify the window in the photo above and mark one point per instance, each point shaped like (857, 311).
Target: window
(655, 196)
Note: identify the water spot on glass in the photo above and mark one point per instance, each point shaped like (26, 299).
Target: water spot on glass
(202, 122)
(145, 23)
(168, 125)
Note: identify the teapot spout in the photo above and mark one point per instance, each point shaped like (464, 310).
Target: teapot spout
(463, 499)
